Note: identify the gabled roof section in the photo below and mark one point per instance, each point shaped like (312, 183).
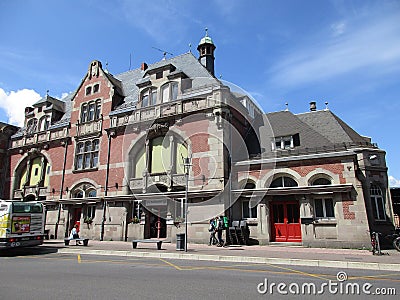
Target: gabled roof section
(285, 123)
(48, 101)
(185, 63)
(332, 127)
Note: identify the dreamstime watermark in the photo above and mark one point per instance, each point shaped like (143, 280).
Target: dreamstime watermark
(337, 287)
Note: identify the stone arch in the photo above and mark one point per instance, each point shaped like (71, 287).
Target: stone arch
(322, 173)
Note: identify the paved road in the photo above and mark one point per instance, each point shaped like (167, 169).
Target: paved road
(43, 274)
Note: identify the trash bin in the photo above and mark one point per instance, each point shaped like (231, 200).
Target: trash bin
(180, 241)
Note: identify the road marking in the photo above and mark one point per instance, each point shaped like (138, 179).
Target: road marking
(79, 258)
(171, 264)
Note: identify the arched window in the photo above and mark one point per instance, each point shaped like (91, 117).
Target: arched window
(44, 123)
(31, 126)
(78, 194)
(377, 202)
(34, 171)
(91, 111)
(321, 181)
(283, 181)
(91, 193)
(149, 97)
(169, 91)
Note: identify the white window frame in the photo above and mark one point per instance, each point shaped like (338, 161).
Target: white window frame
(323, 202)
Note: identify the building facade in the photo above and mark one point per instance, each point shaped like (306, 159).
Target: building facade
(6, 131)
(114, 155)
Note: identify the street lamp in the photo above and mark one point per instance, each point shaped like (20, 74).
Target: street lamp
(186, 165)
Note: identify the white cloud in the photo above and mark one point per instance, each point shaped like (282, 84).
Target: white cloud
(371, 44)
(393, 182)
(14, 103)
(338, 28)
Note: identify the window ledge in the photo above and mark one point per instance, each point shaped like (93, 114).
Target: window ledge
(325, 222)
(85, 170)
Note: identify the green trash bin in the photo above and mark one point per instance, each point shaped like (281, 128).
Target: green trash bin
(180, 241)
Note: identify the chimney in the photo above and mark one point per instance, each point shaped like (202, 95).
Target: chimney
(144, 66)
(313, 106)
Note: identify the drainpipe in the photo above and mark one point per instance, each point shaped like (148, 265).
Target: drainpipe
(109, 135)
(62, 188)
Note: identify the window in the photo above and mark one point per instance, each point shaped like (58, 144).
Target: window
(78, 194)
(149, 97)
(31, 126)
(88, 90)
(321, 181)
(91, 193)
(249, 211)
(44, 123)
(286, 142)
(90, 111)
(159, 75)
(96, 88)
(378, 203)
(324, 208)
(169, 92)
(87, 155)
(89, 212)
(283, 181)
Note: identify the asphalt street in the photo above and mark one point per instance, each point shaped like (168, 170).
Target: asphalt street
(43, 274)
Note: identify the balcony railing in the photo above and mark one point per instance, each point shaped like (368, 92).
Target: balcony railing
(88, 128)
(40, 137)
(170, 181)
(181, 106)
(31, 190)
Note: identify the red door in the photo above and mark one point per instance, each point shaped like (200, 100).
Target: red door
(285, 222)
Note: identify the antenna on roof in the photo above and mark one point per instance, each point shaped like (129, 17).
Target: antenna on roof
(163, 51)
(326, 105)
(287, 106)
(190, 47)
(47, 93)
(106, 67)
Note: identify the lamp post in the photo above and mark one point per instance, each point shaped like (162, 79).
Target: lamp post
(186, 166)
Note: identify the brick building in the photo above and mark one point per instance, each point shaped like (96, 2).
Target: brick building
(6, 131)
(111, 157)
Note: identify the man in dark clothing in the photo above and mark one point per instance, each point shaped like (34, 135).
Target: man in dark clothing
(220, 227)
(212, 229)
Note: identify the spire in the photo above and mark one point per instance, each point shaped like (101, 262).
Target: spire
(206, 49)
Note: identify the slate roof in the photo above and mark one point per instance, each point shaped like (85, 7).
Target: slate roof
(285, 123)
(332, 127)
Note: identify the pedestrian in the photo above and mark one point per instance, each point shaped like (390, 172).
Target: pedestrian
(220, 227)
(212, 229)
(74, 233)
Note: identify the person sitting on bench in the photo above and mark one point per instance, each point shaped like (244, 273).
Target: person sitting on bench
(74, 234)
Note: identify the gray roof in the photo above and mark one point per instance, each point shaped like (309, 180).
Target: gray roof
(285, 123)
(332, 127)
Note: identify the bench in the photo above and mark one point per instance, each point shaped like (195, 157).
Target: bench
(85, 241)
(158, 242)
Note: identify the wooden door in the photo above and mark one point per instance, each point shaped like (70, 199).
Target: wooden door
(285, 221)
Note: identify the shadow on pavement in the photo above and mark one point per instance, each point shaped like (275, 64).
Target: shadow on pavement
(26, 251)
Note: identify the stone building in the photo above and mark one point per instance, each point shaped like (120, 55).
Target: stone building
(113, 157)
(6, 131)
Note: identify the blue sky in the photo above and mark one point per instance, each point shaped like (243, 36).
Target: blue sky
(344, 52)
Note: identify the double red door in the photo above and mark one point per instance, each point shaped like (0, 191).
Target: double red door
(285, 221)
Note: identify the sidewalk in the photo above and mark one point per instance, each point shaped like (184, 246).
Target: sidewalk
(283, 255)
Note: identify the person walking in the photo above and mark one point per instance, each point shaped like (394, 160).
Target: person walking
(212, 229)
(220, 227)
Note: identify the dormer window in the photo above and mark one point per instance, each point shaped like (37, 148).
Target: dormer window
(44, 123)
(149, 97)
(31, 126)
(169, 92)
(286, 142)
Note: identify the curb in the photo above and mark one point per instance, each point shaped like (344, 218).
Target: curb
(242, 259)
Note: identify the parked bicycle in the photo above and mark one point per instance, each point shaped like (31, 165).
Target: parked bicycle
(376, 244)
